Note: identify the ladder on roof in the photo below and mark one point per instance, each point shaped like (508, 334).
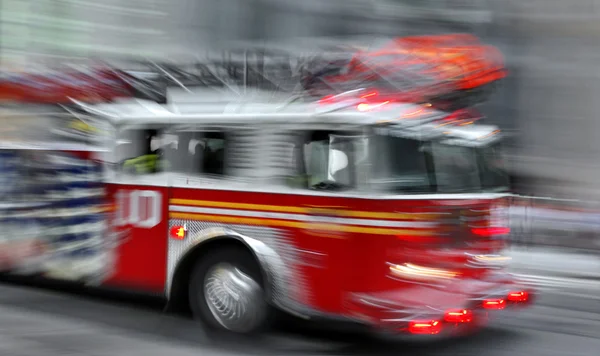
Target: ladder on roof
(273, 67)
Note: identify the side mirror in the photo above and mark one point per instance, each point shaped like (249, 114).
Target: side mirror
(338, 160)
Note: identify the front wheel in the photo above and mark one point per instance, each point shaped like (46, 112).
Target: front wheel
(226, 291)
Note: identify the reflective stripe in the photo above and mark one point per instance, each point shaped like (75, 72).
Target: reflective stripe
(303, 217)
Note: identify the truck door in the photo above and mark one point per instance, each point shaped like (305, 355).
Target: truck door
(328, 163)
(139, 192)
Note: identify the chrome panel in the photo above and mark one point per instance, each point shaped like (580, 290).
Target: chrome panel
(286, 286)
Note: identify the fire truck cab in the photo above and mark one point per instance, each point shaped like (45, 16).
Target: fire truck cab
(391, 215)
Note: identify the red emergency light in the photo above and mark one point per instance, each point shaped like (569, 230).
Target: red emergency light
(425, 327)
(518, 297)
(371, 100)
(490, 231)
(494, 304)
(178, 232)
(458, 316)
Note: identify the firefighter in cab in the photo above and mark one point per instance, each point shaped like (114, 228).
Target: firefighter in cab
(150, 161)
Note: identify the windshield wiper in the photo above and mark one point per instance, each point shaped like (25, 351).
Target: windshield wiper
(415, 189)
(330, 185)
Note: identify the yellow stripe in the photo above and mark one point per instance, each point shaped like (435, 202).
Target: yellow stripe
(220, 204)
(305, 210)
(299, 225)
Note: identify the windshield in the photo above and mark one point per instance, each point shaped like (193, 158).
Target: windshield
(456, 168)
(492, 168)
(411, 166)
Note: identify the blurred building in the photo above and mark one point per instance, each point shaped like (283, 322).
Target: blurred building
(36, 29)
(149, 27)
(557, 53)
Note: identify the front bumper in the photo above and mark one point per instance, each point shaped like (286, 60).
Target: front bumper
(421, 311)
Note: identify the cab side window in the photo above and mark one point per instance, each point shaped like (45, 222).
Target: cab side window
(326, 160)
(141, 151)
(198, 153)
(213, 153)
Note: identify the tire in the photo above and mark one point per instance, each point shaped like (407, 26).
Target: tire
(226, 292)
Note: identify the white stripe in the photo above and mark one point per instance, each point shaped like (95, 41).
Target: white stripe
(558, 283)
(300, 217)
(594, 296)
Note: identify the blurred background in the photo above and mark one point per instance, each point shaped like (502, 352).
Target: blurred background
(547, 104)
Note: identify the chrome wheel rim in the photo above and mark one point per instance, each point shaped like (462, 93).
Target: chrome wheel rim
(234, 299)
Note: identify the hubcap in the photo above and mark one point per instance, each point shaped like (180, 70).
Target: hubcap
(234, 298)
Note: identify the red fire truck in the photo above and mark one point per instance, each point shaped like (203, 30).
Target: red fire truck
(389, 214)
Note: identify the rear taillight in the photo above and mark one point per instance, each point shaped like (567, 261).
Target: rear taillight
(425, 327)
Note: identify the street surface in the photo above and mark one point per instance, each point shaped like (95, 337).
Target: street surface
(35, 322)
